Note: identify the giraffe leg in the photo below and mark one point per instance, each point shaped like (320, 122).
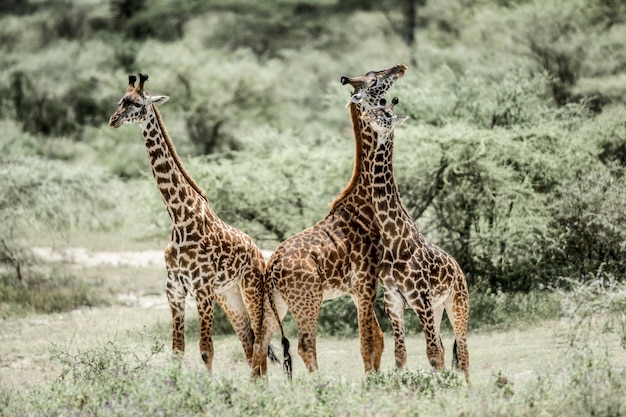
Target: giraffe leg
(379, 342)
(256, 303)
(176, 295)
(204, 302)
(423, 308)
(438, 310)
(458, 313)
(233, 305)
(372, 340)
(377, 332)
(394, 306)
(306, 320)
(268, 328)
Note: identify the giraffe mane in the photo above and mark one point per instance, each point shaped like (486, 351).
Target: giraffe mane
(357, 159)
(177, 161)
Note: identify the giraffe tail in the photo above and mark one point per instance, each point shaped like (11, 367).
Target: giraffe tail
(287, 362)
(271, 354)
(287, 365)
(455, 356)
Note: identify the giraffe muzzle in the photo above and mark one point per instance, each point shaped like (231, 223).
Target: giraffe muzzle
(115, 121)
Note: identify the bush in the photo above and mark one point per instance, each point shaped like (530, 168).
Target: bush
(43, 195)
(419, 381)
(43, 291)
(587, 231)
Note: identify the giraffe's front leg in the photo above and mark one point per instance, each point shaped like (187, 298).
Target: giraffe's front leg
(372, 338)
(204, 301)
(394, 306)
(176, 295)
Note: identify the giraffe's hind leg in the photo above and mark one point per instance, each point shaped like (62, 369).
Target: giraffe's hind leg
(424, 310)
(457, 309)
(251, 292)
(233, 305)
(305, 313)
(176, 295)
(438, 310)
(267, 330)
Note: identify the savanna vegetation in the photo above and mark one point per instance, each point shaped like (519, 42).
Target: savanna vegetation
(513, 161)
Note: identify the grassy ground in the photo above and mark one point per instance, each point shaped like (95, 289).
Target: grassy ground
(26, 345)
(535, 366)
(523, 370)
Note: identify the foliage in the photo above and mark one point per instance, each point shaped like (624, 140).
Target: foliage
(598, 303)
(512, 162)
(111, 379)
(43, 290)
(43, 195)
(492, 184)
(102, 362)
(489, 309)
(418, 381)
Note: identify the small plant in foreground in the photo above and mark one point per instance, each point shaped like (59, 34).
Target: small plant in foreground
(418, 380)
(599, 302)
(107, 360)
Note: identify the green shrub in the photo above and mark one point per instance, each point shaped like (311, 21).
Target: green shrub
(41, 195)
(490, 309)
(419, 381)
(587, 232)
(598, 303)
(30, 290)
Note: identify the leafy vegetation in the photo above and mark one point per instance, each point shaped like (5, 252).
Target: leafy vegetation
(111, 378)
(513, 160)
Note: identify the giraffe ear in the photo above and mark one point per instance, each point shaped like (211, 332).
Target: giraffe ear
(356, 98)
(398, 120)
(158, 100)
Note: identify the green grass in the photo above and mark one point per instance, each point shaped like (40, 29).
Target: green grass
(514, 373)
(115, 359)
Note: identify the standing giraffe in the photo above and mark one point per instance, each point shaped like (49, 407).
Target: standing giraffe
(205, 256)
(414, 271)
(338, 255)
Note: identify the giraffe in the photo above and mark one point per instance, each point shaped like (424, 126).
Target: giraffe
(415, 272)
(338, 255)
(205, 256)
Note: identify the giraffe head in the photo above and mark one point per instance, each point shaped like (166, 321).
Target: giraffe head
(382, 119)
(371, 87)
(133, 107)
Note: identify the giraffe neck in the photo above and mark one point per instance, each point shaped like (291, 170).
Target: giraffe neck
(361, 180)
(179, 191)
(390, 213)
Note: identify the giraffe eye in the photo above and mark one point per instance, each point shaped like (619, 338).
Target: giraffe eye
(137, 105)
